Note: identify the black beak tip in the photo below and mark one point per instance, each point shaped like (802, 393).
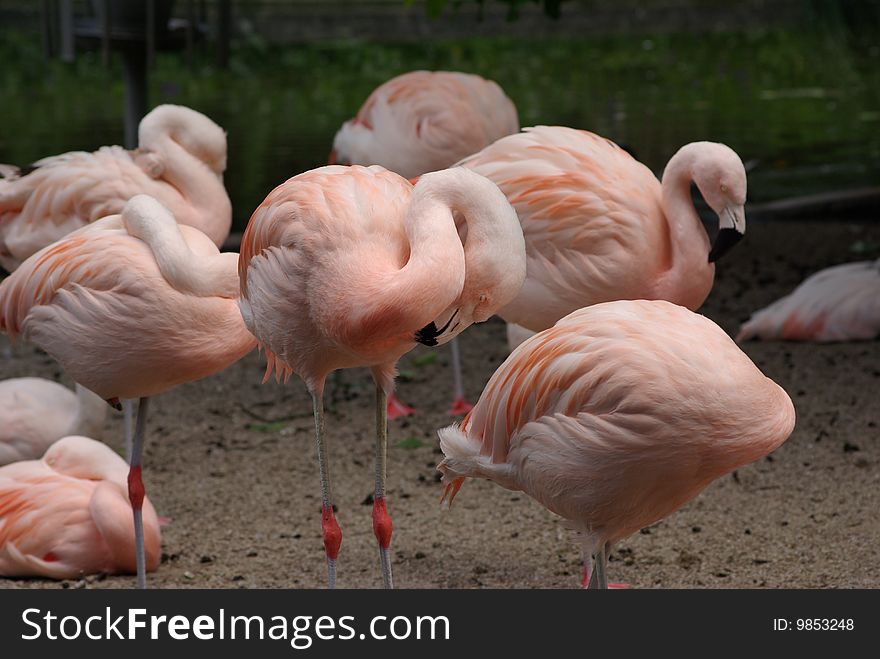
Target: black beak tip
(725, 239)
(427, 335)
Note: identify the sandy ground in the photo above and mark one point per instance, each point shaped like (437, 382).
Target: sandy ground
(232, 463)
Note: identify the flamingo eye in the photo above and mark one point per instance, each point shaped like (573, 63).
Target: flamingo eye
(723, 188)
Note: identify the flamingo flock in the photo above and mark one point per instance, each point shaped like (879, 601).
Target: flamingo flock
(617, 405)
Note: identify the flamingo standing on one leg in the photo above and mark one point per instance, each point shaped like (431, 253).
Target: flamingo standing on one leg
(130, 306)
(35, 413)
(180, 161)
(420, 122)
(599, 226)
(841, 303)
(616, 417)
(352, 266)
(68, 514)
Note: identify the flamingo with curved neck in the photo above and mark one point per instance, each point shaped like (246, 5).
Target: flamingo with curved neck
(180, 160)
(130, 306)
(599, 226)
(352, 266)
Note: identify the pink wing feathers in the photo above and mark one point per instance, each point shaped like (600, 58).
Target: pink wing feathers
(314, 239)
(841, 303)
(62, 525)
(425, 121)
(591, 215)
(66, 192)
(619, 414)
(99, 294)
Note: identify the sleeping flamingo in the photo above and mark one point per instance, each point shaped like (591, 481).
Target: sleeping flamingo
(841, 303)
(344, 267)
(599, 226)
(617, 416)
(130, 306)
(420, 122)
(35, 413)
(180, 161)
(68, 515)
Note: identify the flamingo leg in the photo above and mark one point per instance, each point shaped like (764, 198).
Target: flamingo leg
(136, 490)
(459, 404)
(601, 572)
(329, 526)
(381, 520)
(128, 423)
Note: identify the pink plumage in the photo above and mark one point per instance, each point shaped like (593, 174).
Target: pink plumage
(423, 121)
(841, 303)
(599, 226)
(180, 161)
(617, 416)
(67, 515)
(35, 413)
(352, 266)
(130, 305)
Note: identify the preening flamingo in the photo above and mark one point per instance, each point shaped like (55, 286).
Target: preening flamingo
(130, 306)
(180, 160)
(617, 416)
(599, 226)
(420, 122)
(352, 266)
(841, 303)
(68, 515)
(35, 413)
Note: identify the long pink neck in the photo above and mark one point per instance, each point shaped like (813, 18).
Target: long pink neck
(690, 278)
(433, 277)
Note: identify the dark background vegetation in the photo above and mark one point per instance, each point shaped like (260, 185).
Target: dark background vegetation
(794, 87)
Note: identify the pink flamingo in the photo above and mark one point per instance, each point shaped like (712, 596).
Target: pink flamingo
(599, 226)
(130, 306)
(616, 417)
(35, 413)
(420, 122)
(68, 514)
(841, 303)
(352, 266)
(180, 161)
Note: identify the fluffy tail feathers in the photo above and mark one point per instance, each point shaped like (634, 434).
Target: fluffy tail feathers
(462, 459)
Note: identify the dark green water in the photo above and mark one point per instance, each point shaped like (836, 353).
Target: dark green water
(805, 106)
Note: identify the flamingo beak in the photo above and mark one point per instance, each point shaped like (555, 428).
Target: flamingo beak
(731, 229)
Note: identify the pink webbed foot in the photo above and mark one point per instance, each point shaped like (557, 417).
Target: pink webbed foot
(459, 406)
(397, 409)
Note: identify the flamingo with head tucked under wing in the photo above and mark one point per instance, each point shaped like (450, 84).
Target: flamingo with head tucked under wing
(420, 122)
(35, 413)
(67, 514)
(841, 303)
(180, 160)
(352, 266)
(130, 306)
(617, 416)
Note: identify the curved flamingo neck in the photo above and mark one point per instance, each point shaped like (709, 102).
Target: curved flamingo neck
(188, 272)
(433, 277)
(689, 279)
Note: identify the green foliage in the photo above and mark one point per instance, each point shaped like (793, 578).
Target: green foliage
(806, 104)
(424, 360)
(435, 8)
(411, 443)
